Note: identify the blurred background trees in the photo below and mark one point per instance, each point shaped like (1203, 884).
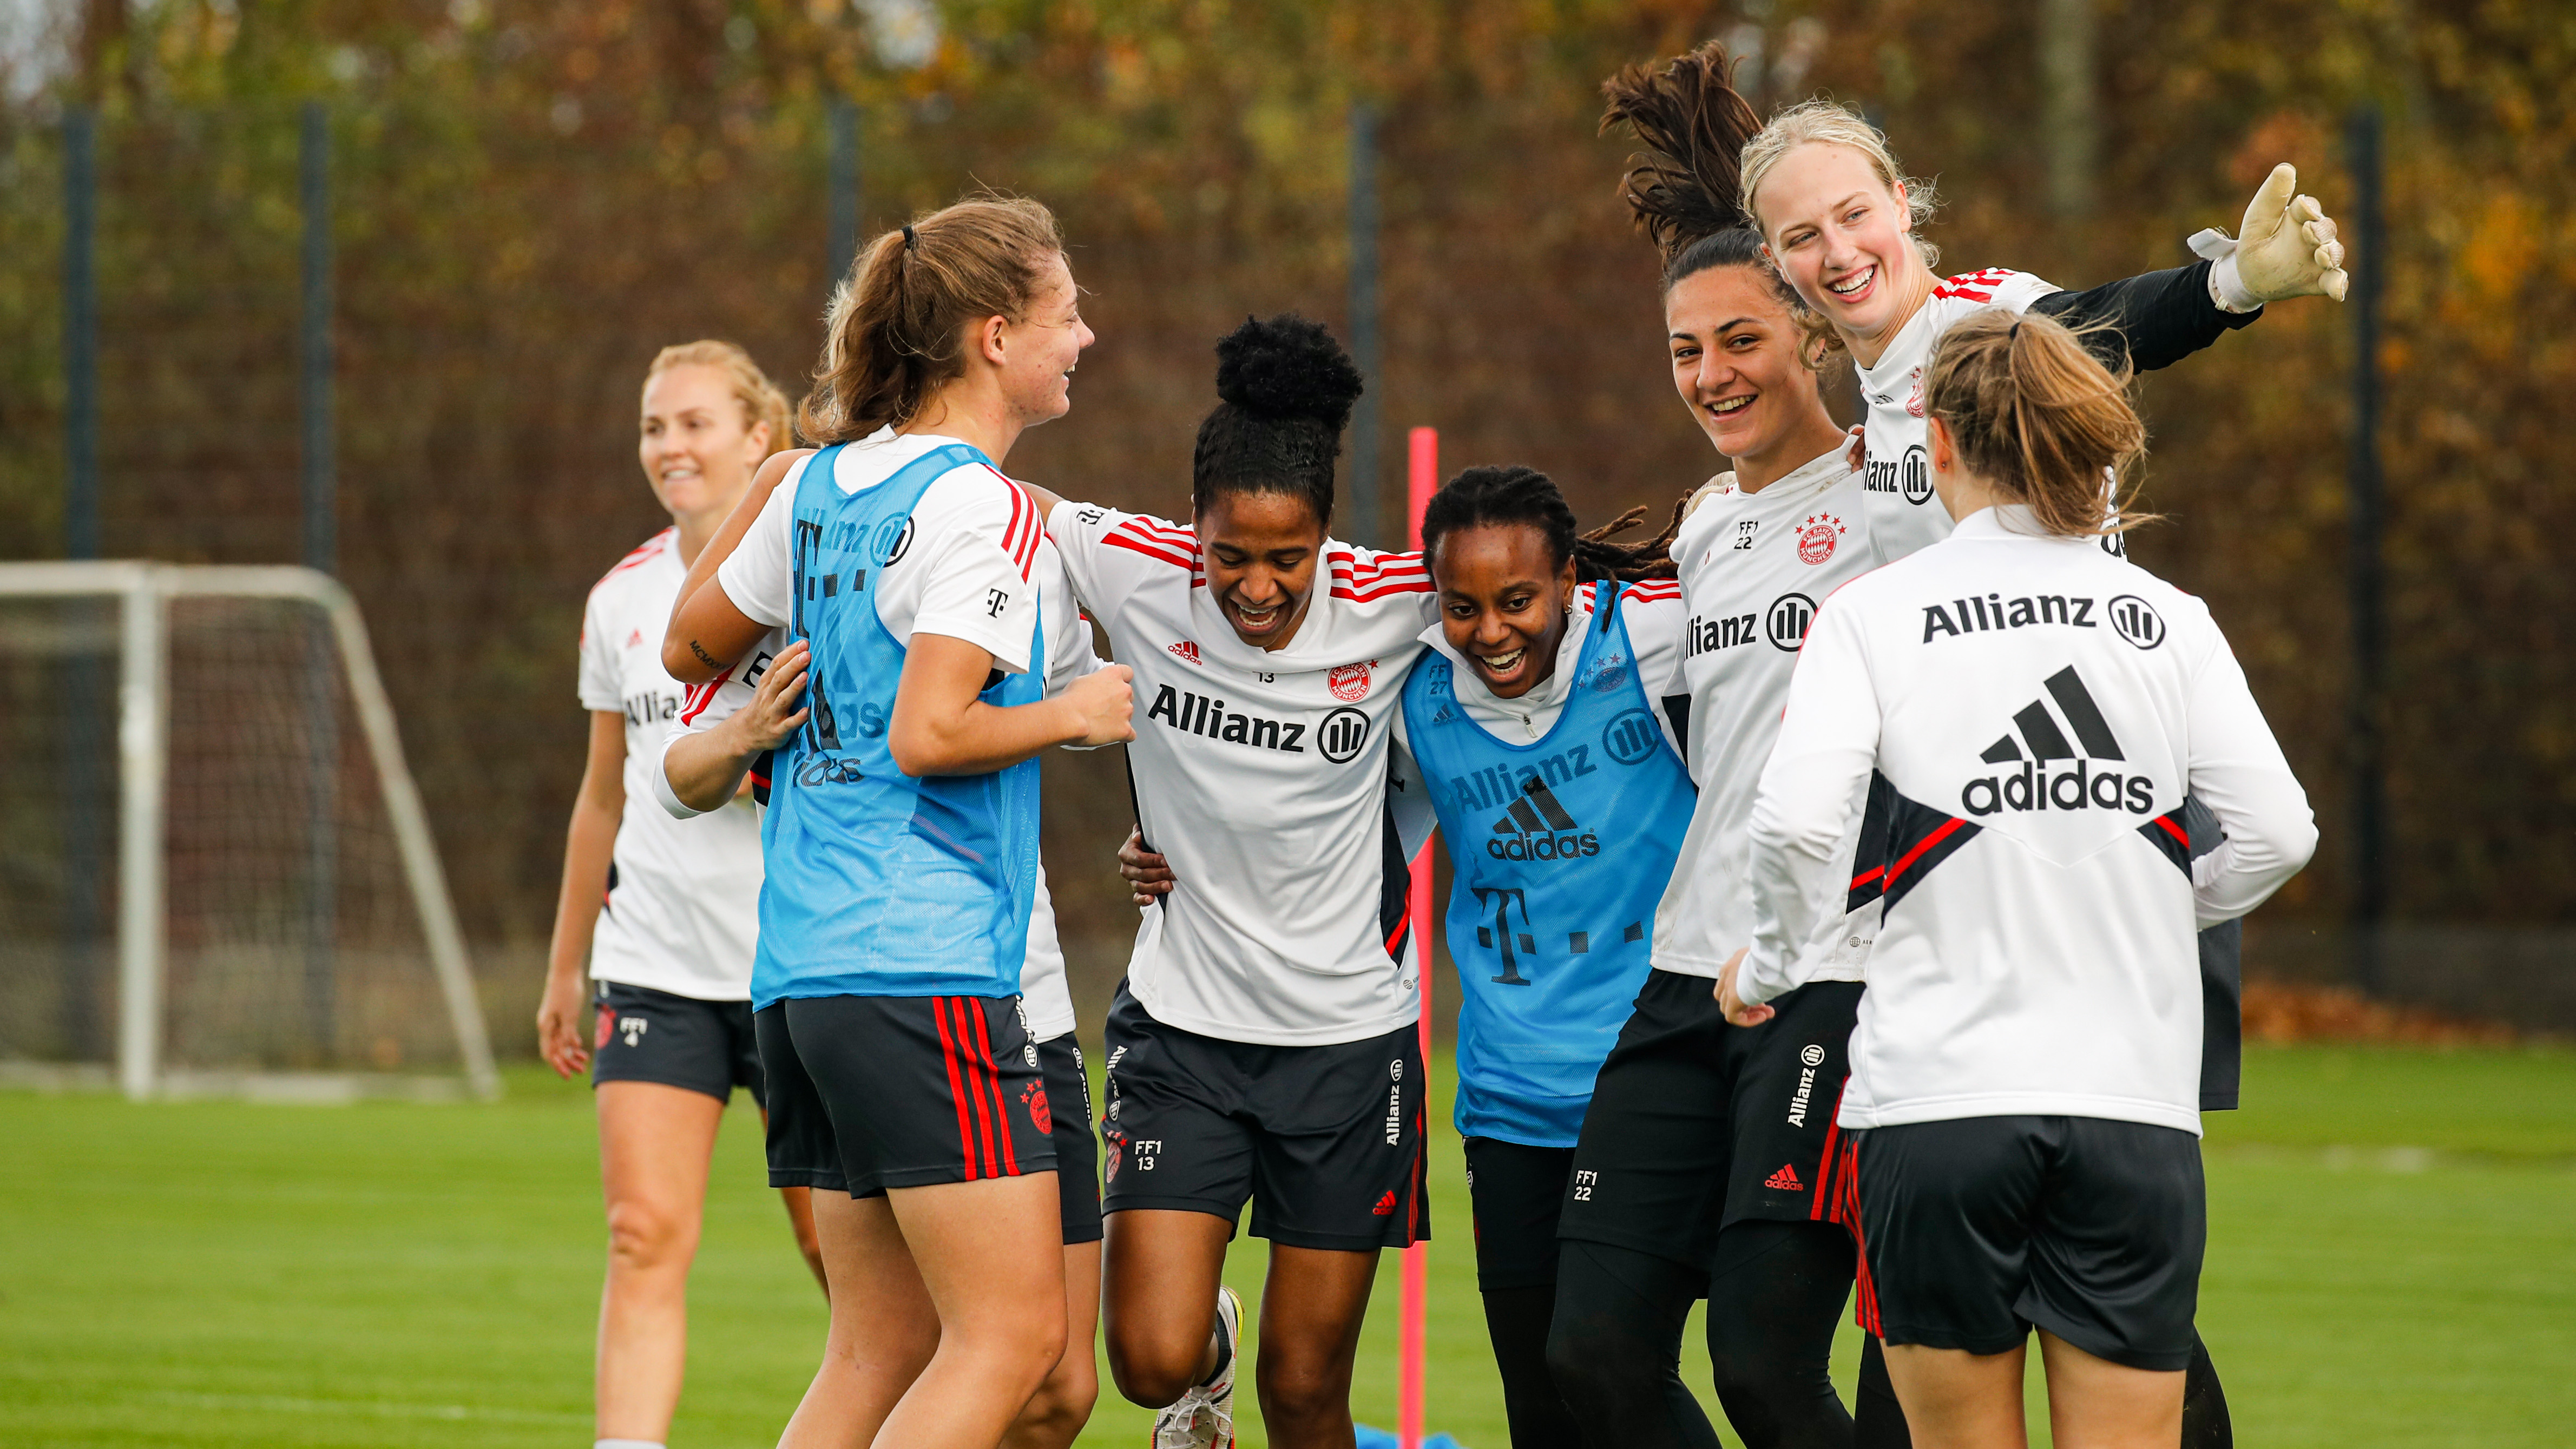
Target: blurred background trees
(529, 197)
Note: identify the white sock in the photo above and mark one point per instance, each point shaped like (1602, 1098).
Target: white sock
(625, 1444)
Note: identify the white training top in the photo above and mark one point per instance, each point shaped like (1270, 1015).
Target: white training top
(960, 569)
(1042, 981)
(683, 909)
(1905, 514)
(2038, 710)
(1754, 568)
(1261, 775)
(1652, 611)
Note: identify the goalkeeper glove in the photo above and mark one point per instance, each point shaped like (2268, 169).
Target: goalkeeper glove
(2286, 248)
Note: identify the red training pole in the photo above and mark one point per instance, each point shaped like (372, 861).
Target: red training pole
(1422, 479)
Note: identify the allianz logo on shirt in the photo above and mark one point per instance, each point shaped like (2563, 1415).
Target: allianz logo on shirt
(2133, 619)
(1784, 625)
(2035, 786)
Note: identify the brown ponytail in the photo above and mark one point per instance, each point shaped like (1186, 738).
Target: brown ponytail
(896, 328)
(2039, 418)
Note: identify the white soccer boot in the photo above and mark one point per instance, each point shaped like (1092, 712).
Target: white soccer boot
(1203, 1418)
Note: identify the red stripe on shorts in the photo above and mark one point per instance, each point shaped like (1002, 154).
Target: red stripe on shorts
(993, 1075)
(1827, 1206)
(956, 1087)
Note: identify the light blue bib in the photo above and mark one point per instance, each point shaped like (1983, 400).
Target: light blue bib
(1561, 848)
(879, 884)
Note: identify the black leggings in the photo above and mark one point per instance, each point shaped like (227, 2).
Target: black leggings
(1775, 1290)
(2205, 1424)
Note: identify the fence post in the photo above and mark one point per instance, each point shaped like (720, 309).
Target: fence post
(1361, 516)
(321, 552)
(844, 187)
(2369, 617)
(82, 784)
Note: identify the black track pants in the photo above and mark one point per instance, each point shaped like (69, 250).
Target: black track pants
(1517, 1319)
(1614, 1348)
(1775, 1293)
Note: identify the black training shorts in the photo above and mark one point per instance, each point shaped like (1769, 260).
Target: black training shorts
(1975, 1230)
(1517, 1194)
(645, 1035)
(1077, 1152)
(1326, 1140)
(1696, 1124)
(872, 1092)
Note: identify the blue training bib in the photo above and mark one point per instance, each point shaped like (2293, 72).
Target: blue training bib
(1562, 848)
(879, 884)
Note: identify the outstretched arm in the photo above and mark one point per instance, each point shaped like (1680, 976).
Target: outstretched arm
(2286, 248)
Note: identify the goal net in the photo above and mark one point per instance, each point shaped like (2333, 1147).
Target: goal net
(215, 873)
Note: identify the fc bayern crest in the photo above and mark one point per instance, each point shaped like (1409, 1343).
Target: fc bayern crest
(1817, 537)
(1350, 682)
(1914, 404)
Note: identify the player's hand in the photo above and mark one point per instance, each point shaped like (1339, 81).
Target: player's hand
(777, 711)
(1737, 1013)
(1856, 452)
(1104, 703)
(2286, 248)
(1149, 876)
(561, 1015)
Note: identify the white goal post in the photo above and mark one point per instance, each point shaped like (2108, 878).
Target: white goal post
(143, 594)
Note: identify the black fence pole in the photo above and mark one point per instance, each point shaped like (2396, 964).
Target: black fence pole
(321, 551)
(844, 184)
(2366, 575)
(1362, 516)
(86, 714)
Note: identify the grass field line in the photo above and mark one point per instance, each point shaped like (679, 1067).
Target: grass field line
(2400, 1159)
(373, 1408)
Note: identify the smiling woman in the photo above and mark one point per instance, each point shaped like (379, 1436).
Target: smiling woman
(1263, 1045)
(649, 973)
(901, 836)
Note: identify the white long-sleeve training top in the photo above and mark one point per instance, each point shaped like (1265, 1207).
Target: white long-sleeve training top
(2033, 712)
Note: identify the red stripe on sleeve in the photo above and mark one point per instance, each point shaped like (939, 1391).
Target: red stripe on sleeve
(1134, 545)
(700, 696)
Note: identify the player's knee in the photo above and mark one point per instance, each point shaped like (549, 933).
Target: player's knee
(1151, 1372)
(1574, 1364)
(644, 1236)
(1301, 1389)
(1062, 1405)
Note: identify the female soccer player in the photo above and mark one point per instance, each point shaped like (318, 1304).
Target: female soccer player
(664, 917)
(1263, 1044)
(901, 838)
(728, 730)
(2025, 1075)
(1547, 725)
(1838, 219)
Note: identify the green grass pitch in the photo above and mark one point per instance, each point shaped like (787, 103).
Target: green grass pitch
(2392, 1261)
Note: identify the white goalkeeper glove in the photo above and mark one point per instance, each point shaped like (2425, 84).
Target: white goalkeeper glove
(2286, 248)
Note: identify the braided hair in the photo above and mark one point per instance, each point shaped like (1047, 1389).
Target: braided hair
(1285, 389)
(1486, 497)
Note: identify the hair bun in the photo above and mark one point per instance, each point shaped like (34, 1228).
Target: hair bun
(1287, 367)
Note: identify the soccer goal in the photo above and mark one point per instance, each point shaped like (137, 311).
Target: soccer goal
(216, 877)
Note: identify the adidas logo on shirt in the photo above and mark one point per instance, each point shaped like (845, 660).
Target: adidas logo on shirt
(1785, 1180)
(2035, 786)
(1188, 649)
(1537, 827)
